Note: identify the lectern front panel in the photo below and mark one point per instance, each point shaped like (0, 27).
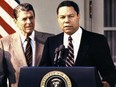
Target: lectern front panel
(59, 77)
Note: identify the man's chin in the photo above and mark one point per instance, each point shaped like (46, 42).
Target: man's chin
(29, 32)
(68, 32)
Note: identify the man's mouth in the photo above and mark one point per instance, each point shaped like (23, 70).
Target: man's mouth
(67, 26)
(29, 26)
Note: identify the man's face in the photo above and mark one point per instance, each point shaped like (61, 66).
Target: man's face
(68, 19)
(25, 22)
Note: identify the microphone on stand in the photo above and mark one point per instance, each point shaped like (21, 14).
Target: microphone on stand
(61, 48)
(61, 55)
(56, 56)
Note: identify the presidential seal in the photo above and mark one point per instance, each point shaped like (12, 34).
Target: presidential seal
(55, 79)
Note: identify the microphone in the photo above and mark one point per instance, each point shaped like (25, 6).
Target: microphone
(56, 55)
(61, 48)
(61, 55)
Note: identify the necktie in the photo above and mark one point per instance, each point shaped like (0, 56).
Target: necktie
(28, 52)
(70, 57)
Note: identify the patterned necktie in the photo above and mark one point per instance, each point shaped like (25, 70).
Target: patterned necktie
(28, 52)
(70, 57)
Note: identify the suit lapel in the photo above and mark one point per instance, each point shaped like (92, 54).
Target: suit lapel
(38, 48)
(83, 48)
(18, 50)
(38, 52)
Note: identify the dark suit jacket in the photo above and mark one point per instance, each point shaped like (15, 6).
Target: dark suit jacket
(12, 56)
(93, 51)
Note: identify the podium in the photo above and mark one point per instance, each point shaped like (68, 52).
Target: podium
(59, 77)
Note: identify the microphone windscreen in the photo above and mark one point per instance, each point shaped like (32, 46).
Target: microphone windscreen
(56, 50)
(61, 47)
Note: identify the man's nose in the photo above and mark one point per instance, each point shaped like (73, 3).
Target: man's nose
(67, 19)
(28, 20)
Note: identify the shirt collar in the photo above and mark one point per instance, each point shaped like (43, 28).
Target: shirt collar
(74, 36)
(23, 37)
(77, 35)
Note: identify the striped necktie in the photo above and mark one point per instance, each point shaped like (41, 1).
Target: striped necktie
(28, 52)
(70, 57)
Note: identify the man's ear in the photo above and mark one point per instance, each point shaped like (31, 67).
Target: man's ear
(15, 21)
(78, 16)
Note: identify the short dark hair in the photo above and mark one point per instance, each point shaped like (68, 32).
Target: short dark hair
(22, 7)
(68, 3)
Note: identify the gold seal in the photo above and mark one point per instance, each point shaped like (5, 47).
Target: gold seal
(55, 79)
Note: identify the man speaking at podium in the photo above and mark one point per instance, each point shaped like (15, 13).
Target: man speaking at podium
(78, 47)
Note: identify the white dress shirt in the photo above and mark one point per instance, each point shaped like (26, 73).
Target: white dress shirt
(24, 43)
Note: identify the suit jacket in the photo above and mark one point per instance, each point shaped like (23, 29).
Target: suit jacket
(12, 57)
(93, 51)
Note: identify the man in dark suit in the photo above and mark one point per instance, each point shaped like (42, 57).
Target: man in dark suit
(90, 49)
(13, 47)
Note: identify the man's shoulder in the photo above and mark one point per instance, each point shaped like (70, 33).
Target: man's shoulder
(9, 37)
(57, 36)
(93, 37)
(42, 36)
(92, 34)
